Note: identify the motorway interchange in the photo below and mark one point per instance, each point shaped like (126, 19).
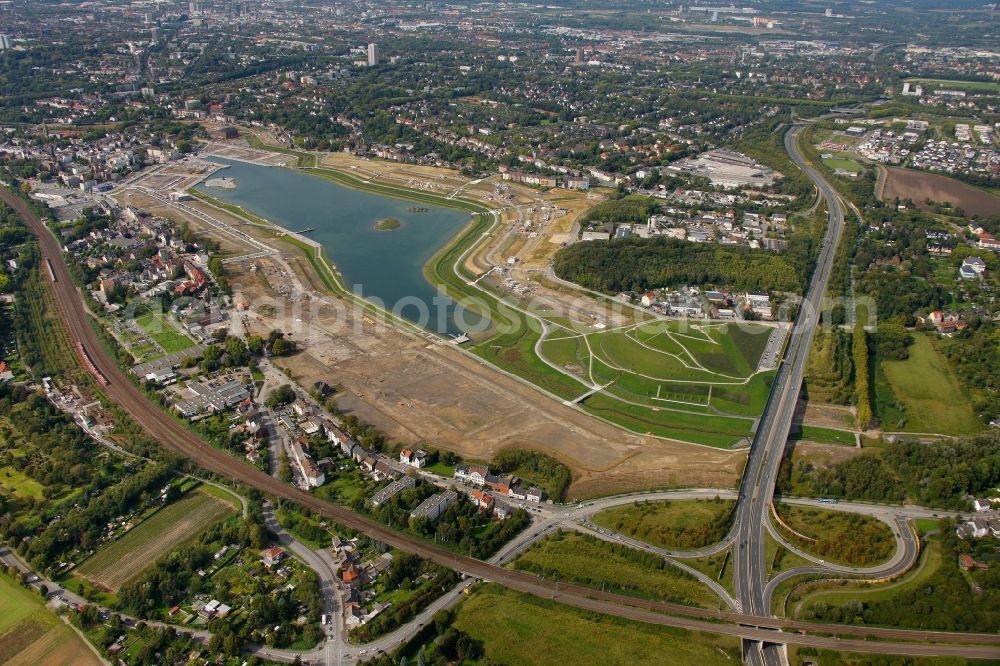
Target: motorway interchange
(749, 614)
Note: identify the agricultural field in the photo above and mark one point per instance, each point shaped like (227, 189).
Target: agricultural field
(684, 524)
(30, 635)
(922, 394)
(920, 186)
(520, 629)
(837, 536)
(571, 557)
(178, 523)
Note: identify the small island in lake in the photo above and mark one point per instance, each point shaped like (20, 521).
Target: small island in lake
(225, 183)
(387, 224)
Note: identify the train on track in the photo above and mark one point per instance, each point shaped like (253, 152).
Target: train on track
(89, 364)
(52, 273)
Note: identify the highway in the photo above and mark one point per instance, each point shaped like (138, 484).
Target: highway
(174, 436)
(767, 449)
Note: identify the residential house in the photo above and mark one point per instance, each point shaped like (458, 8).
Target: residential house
(416, 458)
(482, 499)
(272, 556)
(535, 494)
(502, 511)
(976, 528)
(988, 242)
(472, 474)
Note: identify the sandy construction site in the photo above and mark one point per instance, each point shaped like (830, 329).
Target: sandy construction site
(420, 391)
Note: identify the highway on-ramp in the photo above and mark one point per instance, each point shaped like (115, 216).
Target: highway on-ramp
(174, 436)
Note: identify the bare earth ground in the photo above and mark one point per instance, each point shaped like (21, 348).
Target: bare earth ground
(824, 414)
(417, 391)
(919, 186)
(822, 455)
(422, 392)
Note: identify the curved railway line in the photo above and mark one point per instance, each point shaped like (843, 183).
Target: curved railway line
(174, 436)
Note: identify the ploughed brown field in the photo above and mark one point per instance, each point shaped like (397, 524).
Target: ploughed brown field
(920, 186)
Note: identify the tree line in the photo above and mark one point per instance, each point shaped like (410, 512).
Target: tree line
(538, 468)
(943, 474)
(862, 380)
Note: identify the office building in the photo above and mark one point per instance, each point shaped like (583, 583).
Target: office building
(372, 54)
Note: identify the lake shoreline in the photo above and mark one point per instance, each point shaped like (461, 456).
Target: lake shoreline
(349, 227)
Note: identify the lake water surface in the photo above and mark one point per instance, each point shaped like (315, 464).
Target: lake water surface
(386, 266)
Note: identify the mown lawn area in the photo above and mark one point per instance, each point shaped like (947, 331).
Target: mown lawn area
(838, 536)
(165, 335)
(954, 84)
(686, 524)
(587, 560)
(16, 603)
(803, 655)
(700, 429)
(841, 163)
(19, 484)
(925, 386)
(516, 628)
(822, 435)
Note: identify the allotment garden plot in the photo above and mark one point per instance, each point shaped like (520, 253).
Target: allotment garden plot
(174, 525)
(723, 369)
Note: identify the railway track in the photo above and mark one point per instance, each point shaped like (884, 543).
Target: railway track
(174, 436)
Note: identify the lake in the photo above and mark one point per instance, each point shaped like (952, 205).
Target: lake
(382, 266)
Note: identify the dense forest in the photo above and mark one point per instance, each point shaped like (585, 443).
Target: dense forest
(633, 209)
(939, 475)
(639, 264)
(975, 355)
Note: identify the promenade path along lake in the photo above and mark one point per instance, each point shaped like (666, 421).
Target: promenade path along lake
(385, 266)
